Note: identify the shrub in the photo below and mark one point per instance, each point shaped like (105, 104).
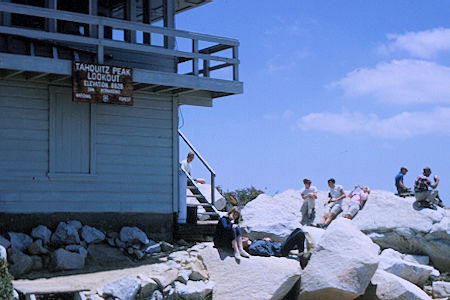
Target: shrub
(6, 287)
(242, 196)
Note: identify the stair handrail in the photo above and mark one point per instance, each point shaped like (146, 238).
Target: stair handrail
(212, 172)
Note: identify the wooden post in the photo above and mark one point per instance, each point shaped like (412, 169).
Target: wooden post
(100, 49)
(93, 11)
(52, 23)
(130, 36)
(205, 68)
(169, 22)
(236, 65)
(213, 188)
(195, 60)
(146, 18)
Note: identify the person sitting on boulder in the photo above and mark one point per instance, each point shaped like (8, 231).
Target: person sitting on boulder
(309, 196)
(228, 233)
(402, 190)
(336, 195)
(356, 201)
(267, 247)
(424, 196)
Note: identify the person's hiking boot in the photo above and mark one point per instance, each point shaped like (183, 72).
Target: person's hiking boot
(243, 253)
(425, 204)
(439, 202)
(237, 256)
(320, 225)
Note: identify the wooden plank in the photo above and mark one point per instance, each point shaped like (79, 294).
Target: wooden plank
(24, 113)
(26, 134)
(9, 123)
(132, 122)
(135, 112)
(133, 141)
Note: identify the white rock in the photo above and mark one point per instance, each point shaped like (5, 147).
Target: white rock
(95, 297)
(133, 235)
(274, 217)
(342, 264)
(165, 279)
(252, 278)
(166, 247)
(418, 259)
(92, 235)
(183, 276)
(19, 240)
(152, 248)
(157, 295)
(77, 249)
(124, 289)
(392, 261)
(194, 290)
(390, 286)
(41, 232)
(394, 222)
(441, 289)
(62, 259)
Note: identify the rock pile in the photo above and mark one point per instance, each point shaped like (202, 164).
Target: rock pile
(71, 245)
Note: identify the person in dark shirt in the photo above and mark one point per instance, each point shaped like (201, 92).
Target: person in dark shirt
(402, 189)
(228, 233)
(267, 247)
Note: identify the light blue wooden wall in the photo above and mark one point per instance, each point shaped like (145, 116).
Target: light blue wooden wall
(133, 156)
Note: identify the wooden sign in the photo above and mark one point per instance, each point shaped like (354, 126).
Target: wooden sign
(95, 83)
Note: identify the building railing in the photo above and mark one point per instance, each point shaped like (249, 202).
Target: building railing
(96, 38)
(211, 171)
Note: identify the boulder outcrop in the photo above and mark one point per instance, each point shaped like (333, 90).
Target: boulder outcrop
(390, 286)
(342, 265)
(390, 221)
(250, 278)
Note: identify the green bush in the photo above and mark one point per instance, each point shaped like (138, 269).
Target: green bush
(6, 286)
(243, 196)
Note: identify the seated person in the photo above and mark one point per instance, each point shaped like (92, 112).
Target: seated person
(356, 201)
(402, 190)
(425, 192)
(336, 196)
(228, 233)
(266, 247)
(186, 166)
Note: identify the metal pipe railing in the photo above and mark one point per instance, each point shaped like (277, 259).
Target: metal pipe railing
(213, 174)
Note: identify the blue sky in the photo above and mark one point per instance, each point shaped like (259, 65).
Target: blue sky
(344, 89)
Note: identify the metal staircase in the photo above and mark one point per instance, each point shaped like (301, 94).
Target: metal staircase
(206, 206)
(209, 211)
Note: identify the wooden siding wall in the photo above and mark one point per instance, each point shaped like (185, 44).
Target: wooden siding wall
(154, 62)
(133, 156)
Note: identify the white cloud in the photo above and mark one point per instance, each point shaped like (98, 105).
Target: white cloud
(400, 81)
(404, 125)
(423, 44)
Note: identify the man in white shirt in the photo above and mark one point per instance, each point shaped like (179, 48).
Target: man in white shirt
(337, 196)
(309, 195)
(186, 166)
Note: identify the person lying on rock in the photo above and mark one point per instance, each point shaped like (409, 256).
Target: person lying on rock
(228, 233)
(356, 201)
(267, 247)
(334, 204)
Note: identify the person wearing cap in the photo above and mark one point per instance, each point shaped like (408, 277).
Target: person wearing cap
(309, 195)
(402, 189)
(424, 196)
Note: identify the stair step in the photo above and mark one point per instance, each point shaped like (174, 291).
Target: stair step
(195, 196)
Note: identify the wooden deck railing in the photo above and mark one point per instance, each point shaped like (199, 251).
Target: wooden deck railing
(96, 38)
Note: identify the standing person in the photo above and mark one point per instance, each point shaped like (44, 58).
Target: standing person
(309, 195)
(424, 196)
(228, 233)
(402, 189)
(334, 204)
(356, 201)
(186, 166)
